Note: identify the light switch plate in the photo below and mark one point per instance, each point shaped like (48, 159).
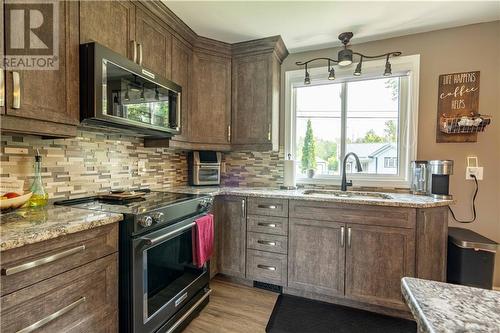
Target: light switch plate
(476, 171)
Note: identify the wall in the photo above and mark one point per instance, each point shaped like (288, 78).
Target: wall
(90, 163)
(469, 48)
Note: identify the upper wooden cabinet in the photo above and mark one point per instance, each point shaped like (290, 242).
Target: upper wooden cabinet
(47, 100)
(182, 57)
(210, 116)
(255, 93)
(110, 23)
(154, 44)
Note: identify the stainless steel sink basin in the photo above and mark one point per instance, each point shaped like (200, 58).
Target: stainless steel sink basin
(350, 194)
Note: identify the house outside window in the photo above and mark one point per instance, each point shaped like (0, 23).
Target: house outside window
(372, 115)
(390, 162)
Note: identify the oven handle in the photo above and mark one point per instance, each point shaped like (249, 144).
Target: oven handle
(153, 241)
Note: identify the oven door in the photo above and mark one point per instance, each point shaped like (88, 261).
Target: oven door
(164, 277)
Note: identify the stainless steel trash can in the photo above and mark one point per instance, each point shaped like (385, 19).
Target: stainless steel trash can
(471, 258)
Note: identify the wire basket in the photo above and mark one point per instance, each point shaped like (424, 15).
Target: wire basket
(464, 124)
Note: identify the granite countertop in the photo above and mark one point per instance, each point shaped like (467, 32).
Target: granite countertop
(398, 199)
(33, 225)
(444, 307)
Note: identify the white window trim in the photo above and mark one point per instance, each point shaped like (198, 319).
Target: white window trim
(408, 65)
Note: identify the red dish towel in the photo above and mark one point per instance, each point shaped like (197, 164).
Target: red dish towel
(203, 240)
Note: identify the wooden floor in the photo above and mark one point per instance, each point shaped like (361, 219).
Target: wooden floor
(234, 308)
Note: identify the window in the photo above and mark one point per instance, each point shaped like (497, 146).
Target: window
(372, 115)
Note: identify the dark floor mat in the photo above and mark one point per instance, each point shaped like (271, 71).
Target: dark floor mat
(299, 315)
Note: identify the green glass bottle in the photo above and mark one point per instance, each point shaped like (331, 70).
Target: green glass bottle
(40, 197)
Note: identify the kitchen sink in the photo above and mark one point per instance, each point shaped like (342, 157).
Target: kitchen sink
(349, 194)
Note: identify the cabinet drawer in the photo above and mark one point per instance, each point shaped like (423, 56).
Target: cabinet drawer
(349, 213)
(265, 242)
(268, 207)
(267, 267)
(27, 265)
(81, 300)
(268, 224)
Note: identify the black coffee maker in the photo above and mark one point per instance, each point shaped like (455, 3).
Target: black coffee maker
(438, 178)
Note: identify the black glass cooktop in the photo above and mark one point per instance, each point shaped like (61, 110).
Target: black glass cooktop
(151, 201)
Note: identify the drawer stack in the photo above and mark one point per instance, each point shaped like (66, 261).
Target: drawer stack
(67, 284)
(267, 240)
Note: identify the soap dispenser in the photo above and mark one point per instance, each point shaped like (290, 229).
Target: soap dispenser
(40, 197)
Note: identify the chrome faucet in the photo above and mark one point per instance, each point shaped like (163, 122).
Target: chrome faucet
(345, 183)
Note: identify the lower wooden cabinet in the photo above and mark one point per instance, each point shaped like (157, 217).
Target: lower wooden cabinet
(231, 221)
(376, 260)
(316, 256)
(74, 290)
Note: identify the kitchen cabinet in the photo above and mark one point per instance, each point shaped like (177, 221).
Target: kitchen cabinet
(154, 44)
(182, 55)
(256, 71)
(316, 256)
(231, 220)
(210, 116)
(375, 261)
(73, 287)
(45, 102)
(109, 23)
(2, 71)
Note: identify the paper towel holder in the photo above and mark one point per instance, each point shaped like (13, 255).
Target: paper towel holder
(292, 187)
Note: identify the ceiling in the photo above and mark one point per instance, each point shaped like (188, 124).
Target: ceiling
(307, 25)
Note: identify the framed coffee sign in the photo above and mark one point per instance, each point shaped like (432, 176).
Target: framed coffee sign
(458, 104)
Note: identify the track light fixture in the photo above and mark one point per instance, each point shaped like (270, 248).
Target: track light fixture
(345, 58)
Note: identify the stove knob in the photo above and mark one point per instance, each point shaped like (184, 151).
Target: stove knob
(145, 221)
(157, 217)
(206, 204)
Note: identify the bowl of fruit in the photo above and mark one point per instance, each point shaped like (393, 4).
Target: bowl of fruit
(12, 200)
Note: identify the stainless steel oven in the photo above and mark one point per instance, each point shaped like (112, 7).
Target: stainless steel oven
(165, 280)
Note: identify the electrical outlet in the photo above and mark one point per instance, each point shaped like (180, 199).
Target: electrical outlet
(476, 171)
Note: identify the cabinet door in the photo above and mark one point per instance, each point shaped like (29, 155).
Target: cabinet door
(51, 95)
(316, 256)
(181, 74)
(155, 44)
(376, 260)
(110, 23)
(232, 226)
(211, 109)
(252, 100)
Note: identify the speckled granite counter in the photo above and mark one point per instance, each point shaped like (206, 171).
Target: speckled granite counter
(398, 199)
(28, 226)
(443, 307)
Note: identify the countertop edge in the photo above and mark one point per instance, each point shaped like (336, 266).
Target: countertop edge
(247, 192)
(52, 233)
(416, 310)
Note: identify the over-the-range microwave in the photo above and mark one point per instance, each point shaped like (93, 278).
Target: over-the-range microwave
(115, 92)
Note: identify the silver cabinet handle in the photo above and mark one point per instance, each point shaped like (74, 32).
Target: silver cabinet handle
(16, 91)
(41, 261)
(342, 236)
(267, 206)
(134, 52)
(228, 133)
(53, 316)
(269, 225)
(269, 268)
(349, 237)
(189, 312)
(243, 207)
(139, 45)
(2, 88)
(263, 242)
(269, 133)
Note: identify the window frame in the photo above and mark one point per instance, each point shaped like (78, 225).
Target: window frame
(407, 66)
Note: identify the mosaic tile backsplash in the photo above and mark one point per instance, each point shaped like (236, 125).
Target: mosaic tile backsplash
(92, 162)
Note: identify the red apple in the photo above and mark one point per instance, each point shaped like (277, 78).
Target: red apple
(10, 195)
